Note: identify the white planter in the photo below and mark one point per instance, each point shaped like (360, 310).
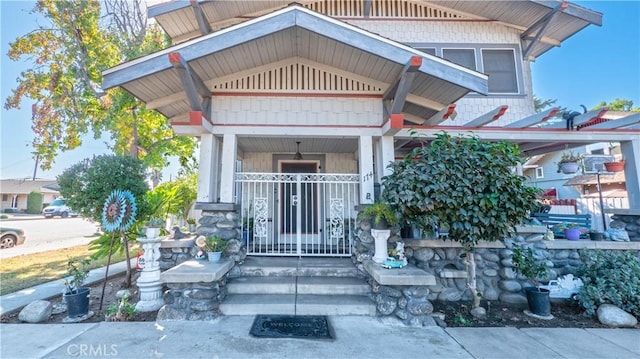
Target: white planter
(152, 232)
(214, 256)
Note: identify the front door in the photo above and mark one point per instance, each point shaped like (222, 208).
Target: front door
(299, 206)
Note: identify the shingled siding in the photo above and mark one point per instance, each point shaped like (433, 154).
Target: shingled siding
(294, 110)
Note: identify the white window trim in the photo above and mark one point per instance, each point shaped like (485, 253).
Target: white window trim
(515, 62)
(539, 172)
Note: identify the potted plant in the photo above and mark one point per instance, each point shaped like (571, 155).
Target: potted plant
(596, 235)
(76, 296)
(525, 263)
(381, 214)
(572, 231)
(615, 166)
(213, 245)
(154, 224)
(569, 162)
(192, 224)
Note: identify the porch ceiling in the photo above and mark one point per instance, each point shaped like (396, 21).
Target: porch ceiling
(288, 33)
(179, 19)
(308, 145)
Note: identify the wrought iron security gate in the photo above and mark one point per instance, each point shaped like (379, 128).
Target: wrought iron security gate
(298, 214)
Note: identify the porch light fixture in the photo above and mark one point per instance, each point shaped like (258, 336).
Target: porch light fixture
(298, 155)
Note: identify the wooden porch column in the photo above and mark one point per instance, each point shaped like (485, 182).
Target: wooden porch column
(366, 169)
(208, 168)
(227, 171)
(387, 156)
(631, 152)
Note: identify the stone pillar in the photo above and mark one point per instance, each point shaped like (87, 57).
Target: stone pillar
(149, 284)
(222, 219)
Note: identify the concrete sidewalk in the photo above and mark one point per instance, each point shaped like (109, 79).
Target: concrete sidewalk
(356, 337)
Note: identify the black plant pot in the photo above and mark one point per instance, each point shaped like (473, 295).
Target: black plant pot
(596, 236)
(77, 302)
(381, 224)
(538, 300)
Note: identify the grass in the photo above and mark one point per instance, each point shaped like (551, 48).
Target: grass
(26, 271)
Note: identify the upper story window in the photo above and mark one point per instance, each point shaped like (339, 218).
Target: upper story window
(497, 61)
(500, 65)
(539, 172)
(462, 57)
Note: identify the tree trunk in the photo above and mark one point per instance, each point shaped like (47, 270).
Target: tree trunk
(473, 284)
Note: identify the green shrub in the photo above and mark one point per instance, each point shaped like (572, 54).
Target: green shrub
(34, 203)
(610, 277)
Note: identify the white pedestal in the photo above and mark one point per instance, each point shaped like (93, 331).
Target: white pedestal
(381, 251)
(149, 284)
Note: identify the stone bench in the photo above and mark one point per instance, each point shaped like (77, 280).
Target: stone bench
(408, 275)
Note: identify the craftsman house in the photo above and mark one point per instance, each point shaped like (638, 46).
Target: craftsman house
(300, 107)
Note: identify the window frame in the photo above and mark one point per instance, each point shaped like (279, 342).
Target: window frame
(539, 172)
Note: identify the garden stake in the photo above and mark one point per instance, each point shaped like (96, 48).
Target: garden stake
(106, 272)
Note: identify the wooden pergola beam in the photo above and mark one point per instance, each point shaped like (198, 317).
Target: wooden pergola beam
(201, 18)
(534, 119)
(619, 123)
(540, 25)
(198, 94)
(399, 89)
(488, 117)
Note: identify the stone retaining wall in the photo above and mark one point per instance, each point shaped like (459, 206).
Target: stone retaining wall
(496, 278)
(628, 222)
(192, 301)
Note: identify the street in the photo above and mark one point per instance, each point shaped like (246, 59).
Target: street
(49, 234)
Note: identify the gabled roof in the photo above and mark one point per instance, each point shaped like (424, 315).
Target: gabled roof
(184, 20)
(288, 33)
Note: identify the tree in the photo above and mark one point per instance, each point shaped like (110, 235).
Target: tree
(541, 105)
(180, 194)
(618, 105)
(464, 184)
(69, 54)
(87, 184)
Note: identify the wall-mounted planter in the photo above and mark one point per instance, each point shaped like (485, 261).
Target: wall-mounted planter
(569, 167)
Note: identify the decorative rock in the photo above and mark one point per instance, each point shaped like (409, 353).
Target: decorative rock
(479, 312)
(490, 272)
(506, 253)
(123, 293)
(423, 254)
(366, 237)
(414, 322)
(390, 292)
(203, 305)
(417, 292)
(507, 273)
(613, 316)
(402, 303)
(534, 238)
(510, 286)
(201, 293)
(562, 254)
(385, 305)
(450, 294)
(491, 257)
(490, 294)
(402, 314)
(36, 311)
(203, 316)
(226, 224)
(419, 306)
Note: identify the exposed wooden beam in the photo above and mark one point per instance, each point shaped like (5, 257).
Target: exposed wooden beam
(414, 119)
(619, 123)
(425, 102)
(399, 89)
(541, 27)
(488, 117)
(194, 86)
(534, 119)
(554, 148)
(448, 112)
(201, 18)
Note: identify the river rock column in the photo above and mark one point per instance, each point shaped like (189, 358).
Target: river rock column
(149, 284)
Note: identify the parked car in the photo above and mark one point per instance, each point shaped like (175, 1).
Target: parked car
(58, 208)
(10, 237)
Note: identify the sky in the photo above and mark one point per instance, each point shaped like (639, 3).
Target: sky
(596, 64)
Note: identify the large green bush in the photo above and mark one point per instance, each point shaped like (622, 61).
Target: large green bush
(34, 202)
(610, 277)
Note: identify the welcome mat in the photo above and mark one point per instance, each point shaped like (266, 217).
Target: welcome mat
(291, 326)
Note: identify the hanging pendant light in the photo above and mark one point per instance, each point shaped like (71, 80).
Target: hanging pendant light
(298, 155)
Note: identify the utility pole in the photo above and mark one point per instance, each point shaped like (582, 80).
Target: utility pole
(35, 169)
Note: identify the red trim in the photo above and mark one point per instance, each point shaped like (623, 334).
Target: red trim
(450, 110)
(503, 109)
(397, 120)
(290, 125)
(174, 57)
(292, 94)
(527, 129)
(416, 61)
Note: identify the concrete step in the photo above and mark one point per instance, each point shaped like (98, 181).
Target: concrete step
(300, 285)
(290, 304)
(333, 286)
(291, 266)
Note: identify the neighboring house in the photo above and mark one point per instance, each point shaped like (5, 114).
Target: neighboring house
(14, 192)
(300, 108)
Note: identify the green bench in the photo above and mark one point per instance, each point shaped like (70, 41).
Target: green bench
(552, 219)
